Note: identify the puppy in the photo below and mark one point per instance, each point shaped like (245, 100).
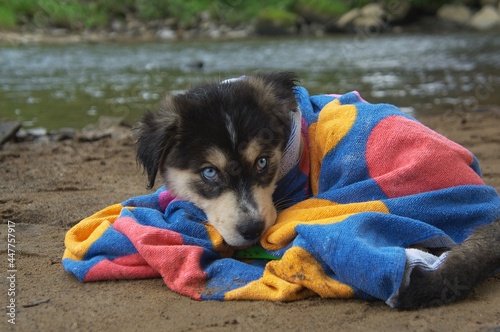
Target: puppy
(221, 147)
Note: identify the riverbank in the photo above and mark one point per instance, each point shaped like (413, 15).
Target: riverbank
(48, 186)
(237, 20)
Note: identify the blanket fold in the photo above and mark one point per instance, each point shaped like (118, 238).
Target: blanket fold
(371, 182)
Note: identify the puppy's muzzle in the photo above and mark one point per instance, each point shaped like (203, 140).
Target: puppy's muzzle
(251, 229)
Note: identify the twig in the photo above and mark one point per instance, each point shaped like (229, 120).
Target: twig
(35, 303)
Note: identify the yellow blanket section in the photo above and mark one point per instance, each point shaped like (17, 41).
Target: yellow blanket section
(313, 211)
(334, 122)
(296, 276)
(81, 236)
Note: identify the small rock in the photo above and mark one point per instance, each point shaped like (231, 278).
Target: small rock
(117, 25)
(372, 10)
(237, 34)
(485, 19)
(370, 16)
(368, 22)
(398, 11)
(91, 135)
(58, 32)
(214, 33)
(348, 17)
(63, 134)
(21, 135)
(42, 140)
(8, 129)
(166, 34)
(134, 24)
(459, 14)
(196, 64)
(37, 132)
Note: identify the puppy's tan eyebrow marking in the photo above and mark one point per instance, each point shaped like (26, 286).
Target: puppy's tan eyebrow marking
(217, 158)
(252, 151)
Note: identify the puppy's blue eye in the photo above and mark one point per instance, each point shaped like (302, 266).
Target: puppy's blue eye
(210, 174)
(261, 164)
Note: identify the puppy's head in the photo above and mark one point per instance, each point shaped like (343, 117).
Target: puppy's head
(220, 147)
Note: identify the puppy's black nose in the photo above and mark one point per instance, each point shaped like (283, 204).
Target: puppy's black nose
(251, 229)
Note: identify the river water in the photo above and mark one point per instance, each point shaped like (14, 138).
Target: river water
(55, 86)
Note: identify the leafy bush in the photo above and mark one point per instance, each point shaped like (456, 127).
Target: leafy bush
(186, 12)
(7, 18)
(117, 8)
(325, 6)
(279, 16)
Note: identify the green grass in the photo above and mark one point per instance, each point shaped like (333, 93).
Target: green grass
(7, 18)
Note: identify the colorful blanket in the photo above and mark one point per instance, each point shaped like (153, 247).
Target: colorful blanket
(372, 182)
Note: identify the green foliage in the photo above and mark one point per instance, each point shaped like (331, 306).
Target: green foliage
(7, 18)
(23, 7)
(234, 12)
(69, 14)
(79, 14)
(117, 8)
(325, 6)
(279, 16)
(96, 16)
(15, 12)
(186, 12)
(152, 9)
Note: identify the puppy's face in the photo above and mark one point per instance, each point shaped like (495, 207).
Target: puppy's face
(220, 146)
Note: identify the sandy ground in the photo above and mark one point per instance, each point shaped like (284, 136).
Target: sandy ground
(45, 188)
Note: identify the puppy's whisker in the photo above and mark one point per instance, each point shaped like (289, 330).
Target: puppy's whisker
(284, 203)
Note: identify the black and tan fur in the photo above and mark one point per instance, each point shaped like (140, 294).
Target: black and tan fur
(231, 129)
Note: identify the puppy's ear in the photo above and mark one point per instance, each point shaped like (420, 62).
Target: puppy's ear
(276, 93)
(282, 85)
(155, 136)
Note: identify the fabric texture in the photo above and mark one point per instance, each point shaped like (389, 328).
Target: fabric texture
(371, 182)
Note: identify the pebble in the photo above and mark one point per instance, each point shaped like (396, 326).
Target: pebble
(37, 132)
(62, 134)
(8, 130)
